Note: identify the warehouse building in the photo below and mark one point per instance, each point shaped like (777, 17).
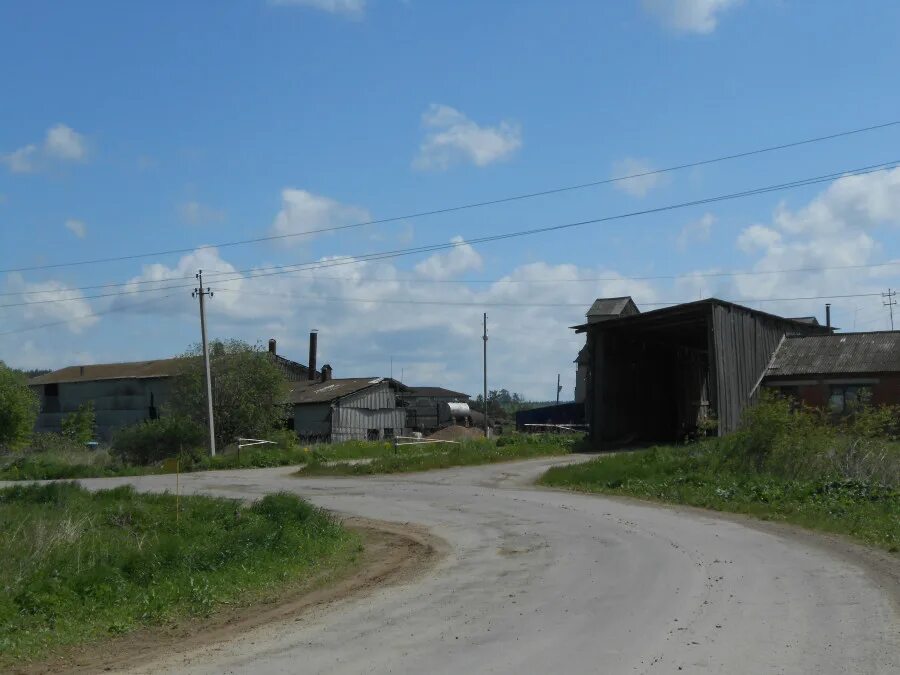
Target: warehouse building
(662, 375)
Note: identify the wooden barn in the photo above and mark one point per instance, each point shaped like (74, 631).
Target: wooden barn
(659, 375)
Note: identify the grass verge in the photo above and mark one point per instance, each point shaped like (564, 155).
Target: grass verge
(80, 567)
(441, 456)
(705, 475)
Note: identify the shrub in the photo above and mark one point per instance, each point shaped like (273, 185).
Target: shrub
(155, 440)
(19, 407)
(79, 425)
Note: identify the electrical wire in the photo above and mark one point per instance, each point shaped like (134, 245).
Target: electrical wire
(84, 316)
(461, 207)
(256, 273)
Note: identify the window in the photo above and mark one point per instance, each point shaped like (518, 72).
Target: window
(844, 397)
(372, 435)
(388, 432)
(51, 389)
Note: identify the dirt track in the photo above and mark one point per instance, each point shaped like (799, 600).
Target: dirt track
(540, 581)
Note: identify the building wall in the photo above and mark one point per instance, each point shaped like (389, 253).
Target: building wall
(117, 403)
(352, 417)
(423, 412)
(816, 390)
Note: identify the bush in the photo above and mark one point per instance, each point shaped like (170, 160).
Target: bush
(79, 425)
(155, 440)
(19, 407)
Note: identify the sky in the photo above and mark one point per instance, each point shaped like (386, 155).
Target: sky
(134, 129)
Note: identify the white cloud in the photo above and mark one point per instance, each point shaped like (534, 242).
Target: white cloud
(38, 311)
(453, 138)
(836, 228)
(61, 144)
(195, 213)
(454, 262)
(76, 227)
(350, 8)
(695, 231)
(303, 211)
(689, 16)
(640, 185)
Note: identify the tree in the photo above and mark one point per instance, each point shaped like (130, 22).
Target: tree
(19, 408)
(79, 425)
(250, 392)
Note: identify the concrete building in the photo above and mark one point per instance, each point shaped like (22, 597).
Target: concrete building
(122, 393)
(661, 375)
(348, 409)
(837, 371)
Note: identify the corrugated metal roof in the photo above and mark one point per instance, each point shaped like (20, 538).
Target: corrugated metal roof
(609, 306)
(435, 391)
(844, 353)
(331, 390)
(112, 371)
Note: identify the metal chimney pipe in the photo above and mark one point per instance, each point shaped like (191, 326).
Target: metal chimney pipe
(272, 346)
(313, 345)
(828, 315)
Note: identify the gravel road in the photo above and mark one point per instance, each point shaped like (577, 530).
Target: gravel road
(540, 581)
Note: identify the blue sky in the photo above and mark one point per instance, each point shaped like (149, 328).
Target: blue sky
(138, 127)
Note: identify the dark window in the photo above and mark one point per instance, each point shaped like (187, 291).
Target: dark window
(845, 397)
(372, 435)
(388, 432)
(51, 389)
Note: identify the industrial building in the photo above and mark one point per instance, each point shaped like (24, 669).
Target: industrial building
(430, 408)
(122, 393)
(330, 410)
(838, 371)
(661, 375)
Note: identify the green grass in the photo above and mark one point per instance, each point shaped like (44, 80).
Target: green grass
(79, 567)
(441, 456)
(706, 475)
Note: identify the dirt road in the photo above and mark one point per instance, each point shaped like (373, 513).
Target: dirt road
(538, 581)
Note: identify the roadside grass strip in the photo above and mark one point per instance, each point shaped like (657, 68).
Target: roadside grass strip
(705, 475)
(80, 567)
(411, 458)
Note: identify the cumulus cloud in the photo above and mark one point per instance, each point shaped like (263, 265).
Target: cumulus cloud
(459, 259)
(61, 144)
(37, 310)
(302, 211)
(452, 138)
(195, 213)
(689, 16)
(76, 227)
(695, 231)
(350, 8)
(640, 185)
(836, 228)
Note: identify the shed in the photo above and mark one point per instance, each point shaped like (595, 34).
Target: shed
(659, 375)
(363, 408)
(425, 406)
(838, 370)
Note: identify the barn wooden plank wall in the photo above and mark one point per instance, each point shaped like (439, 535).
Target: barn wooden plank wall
(744, 344)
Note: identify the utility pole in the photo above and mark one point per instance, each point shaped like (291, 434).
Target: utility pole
(889, 302)
(485, 338)
(558, 388)
(202, 293)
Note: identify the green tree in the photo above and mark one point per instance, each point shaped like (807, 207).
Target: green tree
(250, 392)
(79, 425)
(19, 407)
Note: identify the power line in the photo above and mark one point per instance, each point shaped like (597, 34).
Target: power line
(112, 310)
(461, 207)
(256, 273)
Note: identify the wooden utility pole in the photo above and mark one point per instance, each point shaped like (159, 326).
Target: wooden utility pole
(889, 302)
(558, 388)
(202, 293)
(485, 338)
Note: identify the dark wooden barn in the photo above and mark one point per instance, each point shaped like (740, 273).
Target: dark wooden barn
(659, 375)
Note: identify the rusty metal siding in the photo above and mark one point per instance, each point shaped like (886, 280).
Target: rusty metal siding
(742, 347)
